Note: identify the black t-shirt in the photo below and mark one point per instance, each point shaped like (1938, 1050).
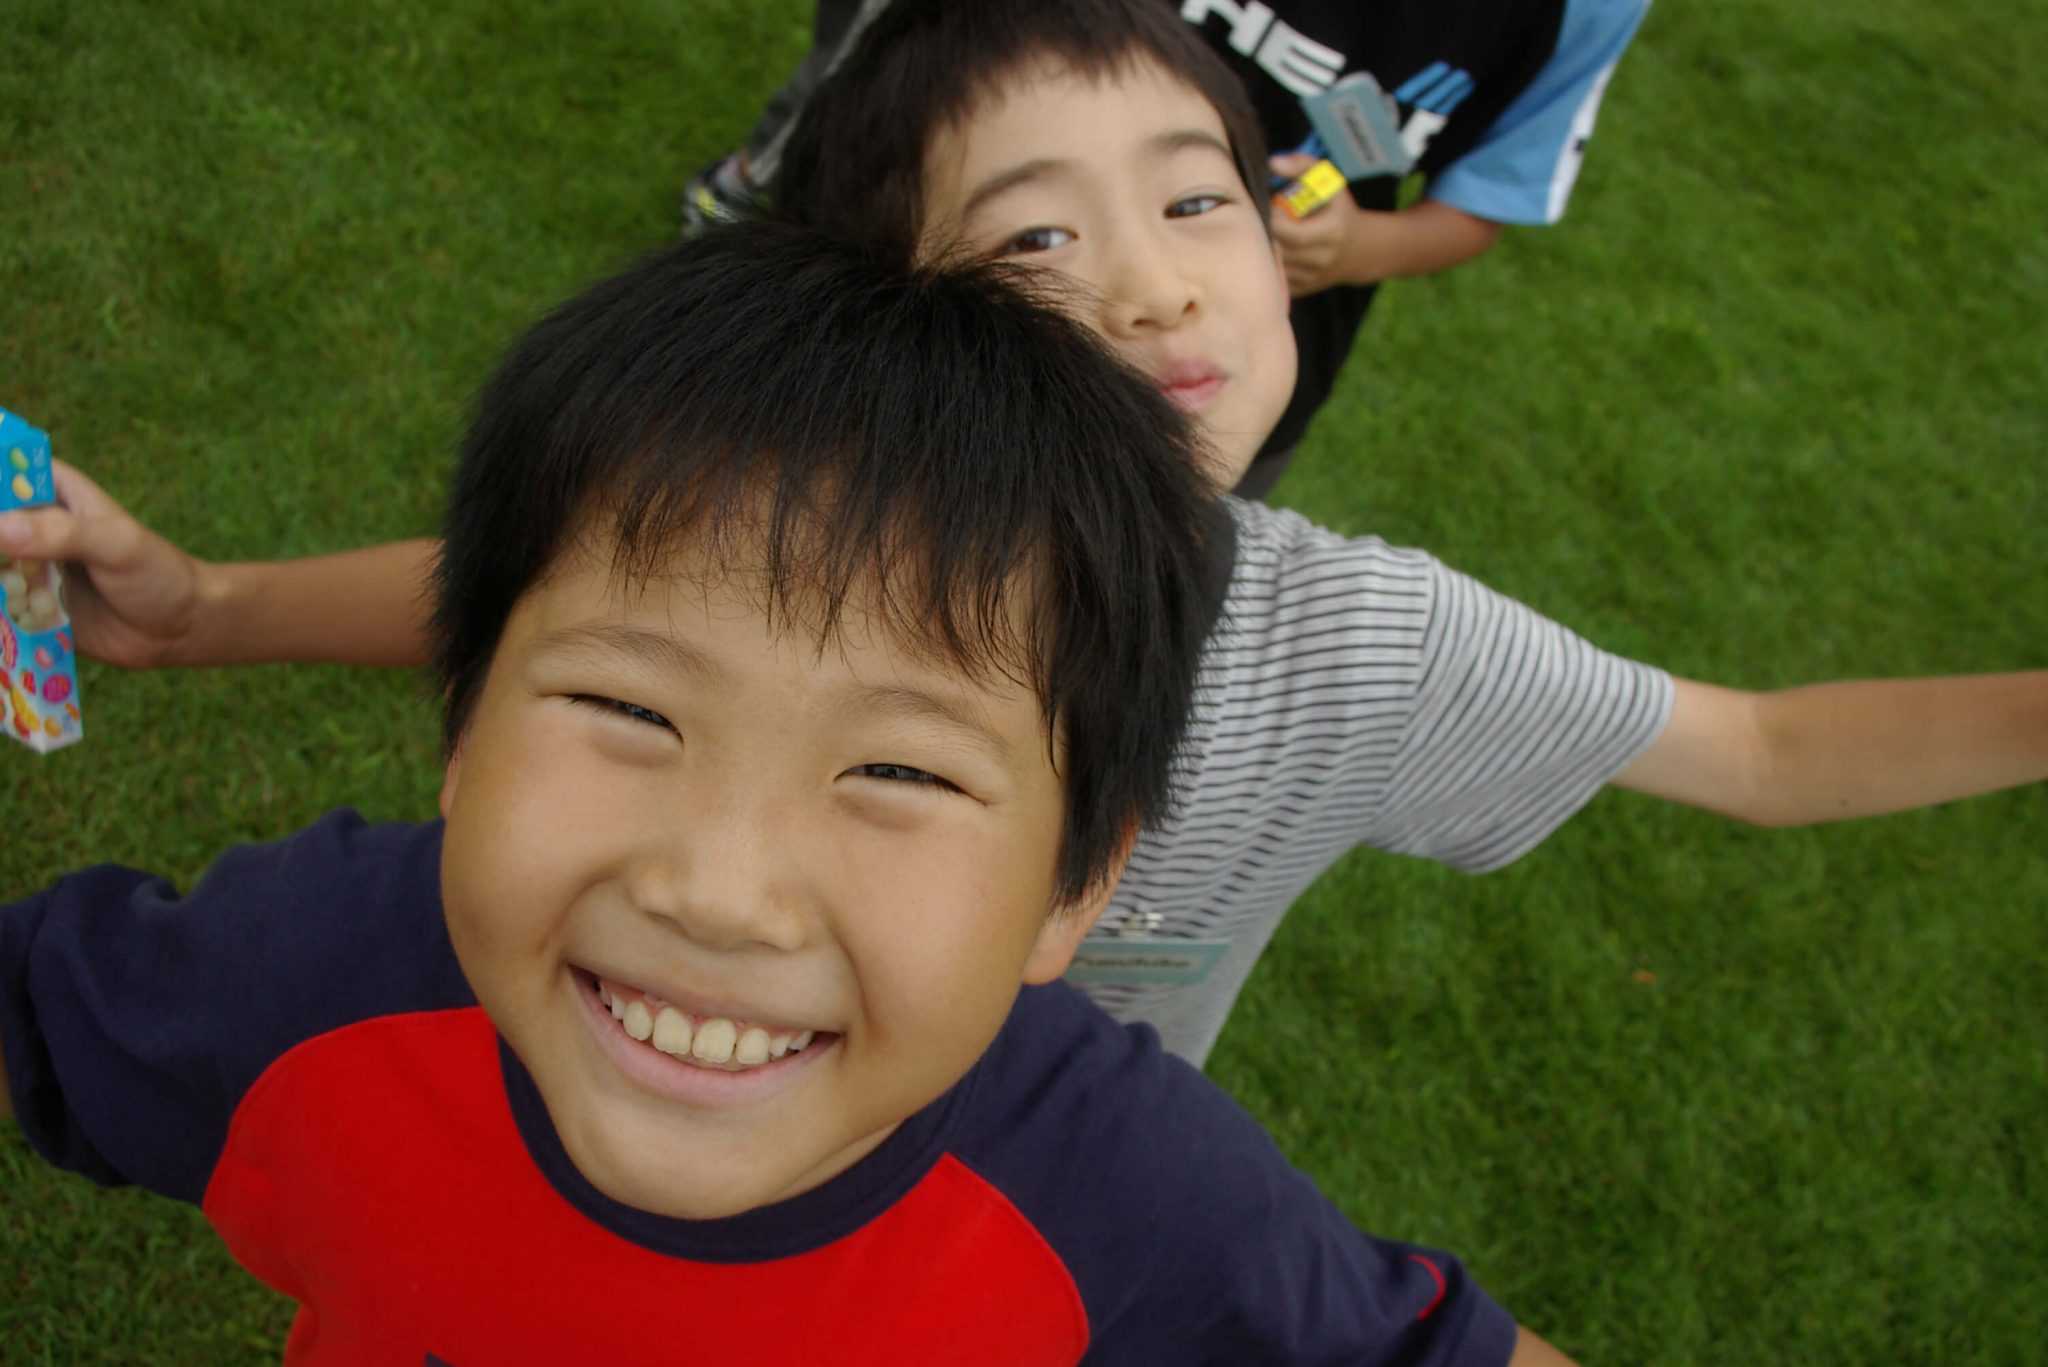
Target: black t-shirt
(1454, 66)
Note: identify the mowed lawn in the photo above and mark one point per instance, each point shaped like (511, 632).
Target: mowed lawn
(1768, 407)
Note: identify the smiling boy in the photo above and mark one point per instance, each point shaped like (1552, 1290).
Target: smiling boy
(728, 977)
(1353, 693)
(797, 713)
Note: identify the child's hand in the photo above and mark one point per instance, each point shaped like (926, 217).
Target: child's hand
(1314, 251)
(1342, 244)
(132, 596)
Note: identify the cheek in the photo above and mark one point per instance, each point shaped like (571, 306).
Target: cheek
(1283, 357)
(1270, 332)
(521, 836)
(1274, 302)
(941, 934)
(488, 894)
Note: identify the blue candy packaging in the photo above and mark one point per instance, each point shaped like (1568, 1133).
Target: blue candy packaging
(38, 660)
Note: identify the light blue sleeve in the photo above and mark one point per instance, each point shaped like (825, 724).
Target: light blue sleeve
(1524, 169)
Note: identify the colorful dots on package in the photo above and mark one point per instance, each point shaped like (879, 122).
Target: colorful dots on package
(39, 695)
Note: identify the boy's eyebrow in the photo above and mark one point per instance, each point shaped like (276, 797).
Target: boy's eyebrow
(915, 704)
(671, 654)
(1158, 145)
(665, 653)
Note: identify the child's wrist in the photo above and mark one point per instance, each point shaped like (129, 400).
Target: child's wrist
(221, 600)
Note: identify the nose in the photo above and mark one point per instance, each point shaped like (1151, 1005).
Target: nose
(721, 875)
(1145, 287)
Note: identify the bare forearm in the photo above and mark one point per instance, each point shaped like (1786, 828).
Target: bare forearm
(1857, 749)
(1830, 752)
(1427, 237)
(1531, 1351)
(365, 607)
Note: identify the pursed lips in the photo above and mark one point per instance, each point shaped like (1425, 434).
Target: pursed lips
(1191, 385)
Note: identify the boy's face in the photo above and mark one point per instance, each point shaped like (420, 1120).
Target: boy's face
(661, 800)
(1127, 186)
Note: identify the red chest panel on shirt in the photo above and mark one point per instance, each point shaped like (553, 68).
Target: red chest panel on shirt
(376, 1176)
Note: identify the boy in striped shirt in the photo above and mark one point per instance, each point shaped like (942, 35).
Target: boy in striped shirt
(1352, 694)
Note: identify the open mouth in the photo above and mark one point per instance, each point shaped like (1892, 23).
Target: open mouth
(720, 1043)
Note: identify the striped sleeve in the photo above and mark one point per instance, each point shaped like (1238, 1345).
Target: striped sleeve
(1355, 693)
(1388, 700)
(1514, 724)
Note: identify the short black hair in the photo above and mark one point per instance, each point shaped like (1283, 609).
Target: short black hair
(839, 426)
(855, 159)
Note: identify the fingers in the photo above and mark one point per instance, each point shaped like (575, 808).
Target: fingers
(1293, 233)
(1290, 164)
(86, 527)
(1307, 249)
(112, 541)
(44, 534)
(56, 533)
(77, 492)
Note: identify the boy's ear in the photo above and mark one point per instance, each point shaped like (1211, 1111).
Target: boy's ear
(1061, 935)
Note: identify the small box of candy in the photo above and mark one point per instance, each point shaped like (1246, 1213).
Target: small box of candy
(38, 664)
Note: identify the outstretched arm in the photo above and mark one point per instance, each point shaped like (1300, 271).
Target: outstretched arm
(1531, 1351)
(1834, 751)
(138, 601)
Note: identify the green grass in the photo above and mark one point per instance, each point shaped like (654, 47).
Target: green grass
(1769, 407)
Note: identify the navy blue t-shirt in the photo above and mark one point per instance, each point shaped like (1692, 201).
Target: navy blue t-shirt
(293, 1046)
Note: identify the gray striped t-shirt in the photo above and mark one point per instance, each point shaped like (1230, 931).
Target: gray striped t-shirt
(1354, 693)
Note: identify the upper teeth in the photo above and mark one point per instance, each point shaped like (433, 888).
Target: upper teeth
(714, 1039)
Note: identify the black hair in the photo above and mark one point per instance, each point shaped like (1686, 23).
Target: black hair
(855, 160)
(838, 427)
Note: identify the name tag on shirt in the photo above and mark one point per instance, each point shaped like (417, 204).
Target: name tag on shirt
(1131, 962)
(1360, 128)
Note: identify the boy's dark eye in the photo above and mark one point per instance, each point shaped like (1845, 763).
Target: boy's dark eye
(901, 773)
(1193, 205)
(627, 710)
(1038, 240)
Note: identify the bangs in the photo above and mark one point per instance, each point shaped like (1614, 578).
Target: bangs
(816, 541)
(932, 451)
(855, 161)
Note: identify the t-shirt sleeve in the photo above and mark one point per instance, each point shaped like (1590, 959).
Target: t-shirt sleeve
(1374, 696)
(133, 1020)
(1191, 1239)
(1523, 170)
(1515, 723)
(1249, 1262)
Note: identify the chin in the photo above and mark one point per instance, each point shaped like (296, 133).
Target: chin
(1225, 472)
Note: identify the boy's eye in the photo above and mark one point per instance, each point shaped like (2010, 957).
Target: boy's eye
(900, 773)
(1037, 240)
(629, 711)
(1192, 205)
